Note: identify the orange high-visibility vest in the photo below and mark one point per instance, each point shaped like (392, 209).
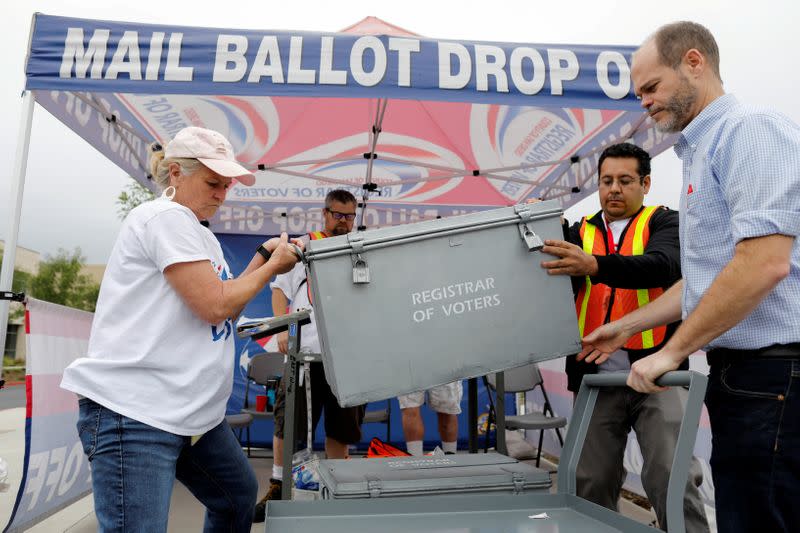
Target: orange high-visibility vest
(593, 301)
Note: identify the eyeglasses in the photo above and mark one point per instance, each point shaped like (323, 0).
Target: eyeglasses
(624, 181)
(341, 216)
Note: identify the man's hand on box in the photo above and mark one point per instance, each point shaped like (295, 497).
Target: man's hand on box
(572, 260)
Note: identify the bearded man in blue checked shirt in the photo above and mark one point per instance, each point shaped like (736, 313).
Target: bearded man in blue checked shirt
(740, 294)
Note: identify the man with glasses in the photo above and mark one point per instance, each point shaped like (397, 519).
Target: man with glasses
(621, 258)
(290, 293)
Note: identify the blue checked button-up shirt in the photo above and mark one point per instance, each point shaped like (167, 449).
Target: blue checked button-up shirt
(741, 179)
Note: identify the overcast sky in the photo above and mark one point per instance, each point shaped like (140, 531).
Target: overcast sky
(70, 188)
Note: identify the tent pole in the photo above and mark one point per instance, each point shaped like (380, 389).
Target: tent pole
(376, 130)
(14, 211)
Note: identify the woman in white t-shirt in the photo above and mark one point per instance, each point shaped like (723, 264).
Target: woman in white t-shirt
(154, 386)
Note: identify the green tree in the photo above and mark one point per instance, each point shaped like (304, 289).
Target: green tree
(133, 195)
(60, 281)
(21, 278)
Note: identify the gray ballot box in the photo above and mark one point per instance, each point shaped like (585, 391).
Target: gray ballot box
(434, 474)
(404, 308)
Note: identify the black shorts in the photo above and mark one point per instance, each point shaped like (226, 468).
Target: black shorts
(341, 423)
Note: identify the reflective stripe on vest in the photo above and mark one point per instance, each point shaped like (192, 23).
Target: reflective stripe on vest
(589, 232)
(314, 236)
(593, 300)
(643, 295)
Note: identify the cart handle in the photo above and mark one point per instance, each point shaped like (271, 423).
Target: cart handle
(579, 425)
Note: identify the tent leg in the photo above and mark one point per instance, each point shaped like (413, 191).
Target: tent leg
(373, 144)
(14, 211)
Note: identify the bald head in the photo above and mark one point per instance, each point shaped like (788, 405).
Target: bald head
(673, 41)
(676, 74)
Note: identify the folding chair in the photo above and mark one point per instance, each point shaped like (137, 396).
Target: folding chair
(523, 379)
(381, 415)
(263, 370)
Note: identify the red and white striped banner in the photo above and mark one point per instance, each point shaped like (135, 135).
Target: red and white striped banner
(56, 472)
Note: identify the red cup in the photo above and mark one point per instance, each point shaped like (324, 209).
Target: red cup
(261, 403)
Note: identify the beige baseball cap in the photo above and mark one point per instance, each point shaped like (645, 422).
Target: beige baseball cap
(210, 148)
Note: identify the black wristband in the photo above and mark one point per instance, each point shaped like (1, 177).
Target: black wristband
(264, 252)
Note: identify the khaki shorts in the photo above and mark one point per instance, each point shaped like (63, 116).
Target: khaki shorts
(442, 399)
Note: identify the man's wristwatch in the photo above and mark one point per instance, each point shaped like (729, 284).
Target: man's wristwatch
(264, 252)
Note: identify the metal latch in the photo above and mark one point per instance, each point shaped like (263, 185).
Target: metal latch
(524, 212)
(533, 241)
(360, 267)
(374, 487)
(518, 479)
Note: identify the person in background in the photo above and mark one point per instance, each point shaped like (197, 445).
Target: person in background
(154, 386)
(446, 401)
(342, 424)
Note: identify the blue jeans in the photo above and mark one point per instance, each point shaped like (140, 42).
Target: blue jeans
(134, 467)
(754, 409)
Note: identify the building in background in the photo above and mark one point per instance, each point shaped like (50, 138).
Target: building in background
(28, 261)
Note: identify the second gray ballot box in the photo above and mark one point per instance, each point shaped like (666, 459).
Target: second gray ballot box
(404, 308)
(383, 477)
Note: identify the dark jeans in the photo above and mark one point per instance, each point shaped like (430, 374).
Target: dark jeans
(754, 409)
(134, 467)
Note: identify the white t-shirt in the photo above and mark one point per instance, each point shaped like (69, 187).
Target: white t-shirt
(150, 358)
(292, 285)
(618, 361)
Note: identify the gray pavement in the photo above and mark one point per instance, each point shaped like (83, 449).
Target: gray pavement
(12, 396)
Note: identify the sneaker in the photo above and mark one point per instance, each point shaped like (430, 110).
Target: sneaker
(274, 493)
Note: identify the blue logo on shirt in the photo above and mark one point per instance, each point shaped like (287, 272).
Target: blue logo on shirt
(217, 335)
(221, 334)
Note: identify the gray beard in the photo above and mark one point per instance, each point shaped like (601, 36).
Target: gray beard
(679, 108)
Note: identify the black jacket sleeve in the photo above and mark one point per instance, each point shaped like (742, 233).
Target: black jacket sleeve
(659, 266)
(572, 234)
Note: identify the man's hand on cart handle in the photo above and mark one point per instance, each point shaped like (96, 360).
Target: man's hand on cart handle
(647, 370)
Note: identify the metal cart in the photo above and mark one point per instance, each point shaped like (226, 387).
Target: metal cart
(292, 323)
(563, 511)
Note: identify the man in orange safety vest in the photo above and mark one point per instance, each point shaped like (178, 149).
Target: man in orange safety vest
(620, 259)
